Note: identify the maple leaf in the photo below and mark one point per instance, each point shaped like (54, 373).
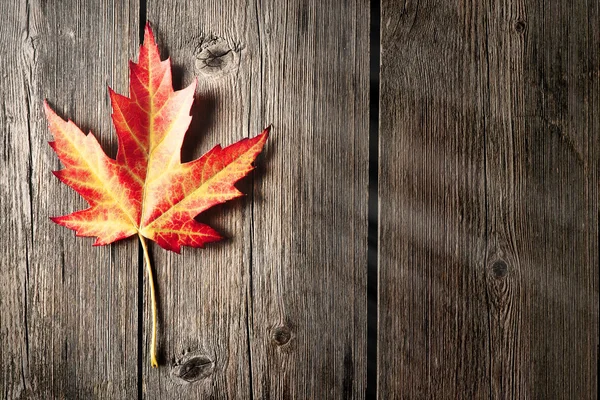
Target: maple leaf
(147, 190)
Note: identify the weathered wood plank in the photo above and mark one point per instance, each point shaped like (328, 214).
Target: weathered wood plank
(489, 198)
(280, 308)
(309, 247)
(556, 167)
(432, 333)
(77, 305)
(15, 208)
(505, 259)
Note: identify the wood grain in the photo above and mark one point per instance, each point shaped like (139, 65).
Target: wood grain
(15, 210)
(488, 203)
(71, 320)
(309, 261)
(279, 309)
(558, 165)
(432, 301)
(488, 200)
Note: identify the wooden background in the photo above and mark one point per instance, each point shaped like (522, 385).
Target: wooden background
(479, 127)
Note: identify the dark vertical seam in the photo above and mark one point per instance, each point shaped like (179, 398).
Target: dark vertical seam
(62, 261)
(373, 199)
(250, 292)
(142, 19)
(485, 188)
(6, 145)
(27, 252)
(249, 320)
(591, 157)
(25, 318)
(140, 326)
(27, 83)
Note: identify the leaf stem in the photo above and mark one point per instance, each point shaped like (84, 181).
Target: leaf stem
(153, 361)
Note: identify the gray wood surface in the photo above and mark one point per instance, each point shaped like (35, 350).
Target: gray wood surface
(309, 247)
(488, 203)
(488, 241)
(68, 325)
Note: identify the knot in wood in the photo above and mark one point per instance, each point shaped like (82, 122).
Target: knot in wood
(192, 367)
(520, 26)
(281, 335)
(500, 269)
(216, 57)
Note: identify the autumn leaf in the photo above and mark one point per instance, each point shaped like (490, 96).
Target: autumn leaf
(147, 190)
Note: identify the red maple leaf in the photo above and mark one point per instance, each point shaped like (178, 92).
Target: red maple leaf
(147, 190)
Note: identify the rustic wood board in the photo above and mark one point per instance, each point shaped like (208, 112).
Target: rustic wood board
(279, 309)
(556, 173)
(488, 241)
(309, 247)
(69, 324)
(15, 208)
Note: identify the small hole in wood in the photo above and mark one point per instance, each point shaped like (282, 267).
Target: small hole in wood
(281, 335)
(520, 26)
(500, 269)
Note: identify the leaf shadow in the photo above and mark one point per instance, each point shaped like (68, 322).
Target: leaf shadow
(249, 186)
(214, 217)
(256, 177)
(203, 113)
